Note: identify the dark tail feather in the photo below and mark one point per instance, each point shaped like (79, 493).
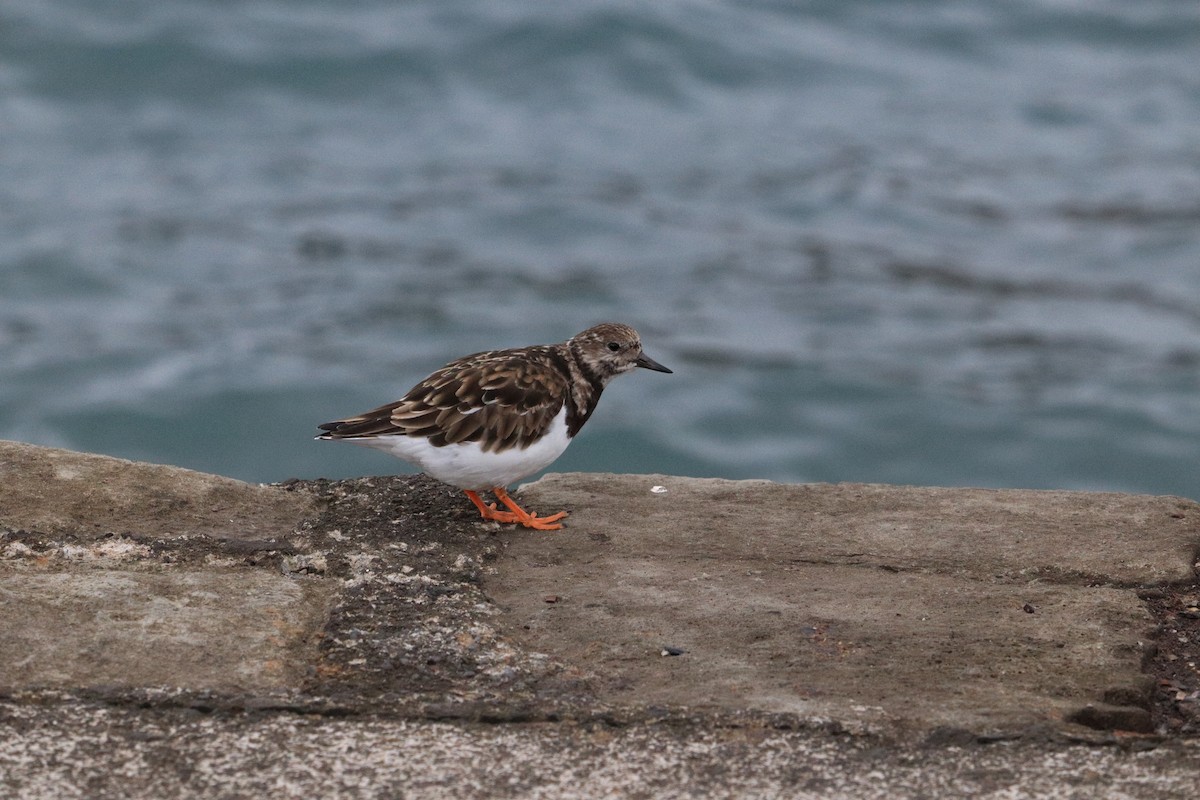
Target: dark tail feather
(331, 429)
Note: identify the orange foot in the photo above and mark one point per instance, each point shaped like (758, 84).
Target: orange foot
(515, 512)
(489, 511)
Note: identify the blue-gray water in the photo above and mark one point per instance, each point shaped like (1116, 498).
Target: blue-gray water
(950, 243)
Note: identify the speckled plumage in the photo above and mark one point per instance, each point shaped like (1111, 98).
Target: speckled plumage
(489, 419)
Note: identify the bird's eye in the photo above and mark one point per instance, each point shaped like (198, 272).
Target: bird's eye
(613, 347)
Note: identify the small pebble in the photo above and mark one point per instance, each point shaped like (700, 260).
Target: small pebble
(551, 598)
(658, 489)
(1029, 609)
(672, 651)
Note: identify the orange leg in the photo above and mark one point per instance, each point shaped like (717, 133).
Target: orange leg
(489, 511)
(526, 518)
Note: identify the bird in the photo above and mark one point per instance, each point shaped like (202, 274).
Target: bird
(485, 421)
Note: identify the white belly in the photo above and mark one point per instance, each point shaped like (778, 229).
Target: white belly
(467, 466)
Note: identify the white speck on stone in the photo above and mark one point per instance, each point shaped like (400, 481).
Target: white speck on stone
(360, 562)
(658, 489)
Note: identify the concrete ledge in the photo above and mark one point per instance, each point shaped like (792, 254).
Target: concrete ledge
(204, 629)
(906, 608)
(847, 630)
(1061, 537)
(123, 574)
(60, 491)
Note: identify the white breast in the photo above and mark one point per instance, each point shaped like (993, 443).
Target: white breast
(466, 466)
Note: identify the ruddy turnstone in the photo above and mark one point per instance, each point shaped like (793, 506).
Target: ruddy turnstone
(485, 421)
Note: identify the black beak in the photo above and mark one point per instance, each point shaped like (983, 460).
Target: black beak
(649, 363)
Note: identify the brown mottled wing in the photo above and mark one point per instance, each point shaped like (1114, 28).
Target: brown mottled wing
(501, 399)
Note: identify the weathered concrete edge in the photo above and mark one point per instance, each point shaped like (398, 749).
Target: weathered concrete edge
(1181, 565)
(88, 495)
(494, 708)
(1124, 707)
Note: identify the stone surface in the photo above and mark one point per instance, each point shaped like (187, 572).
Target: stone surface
(215, 629)
(124, 574)
(175, 634)
(1092, 537)
(88, 496)
(105, 753)
(907, 608)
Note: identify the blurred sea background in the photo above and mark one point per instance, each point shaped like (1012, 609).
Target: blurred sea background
(938, 243)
